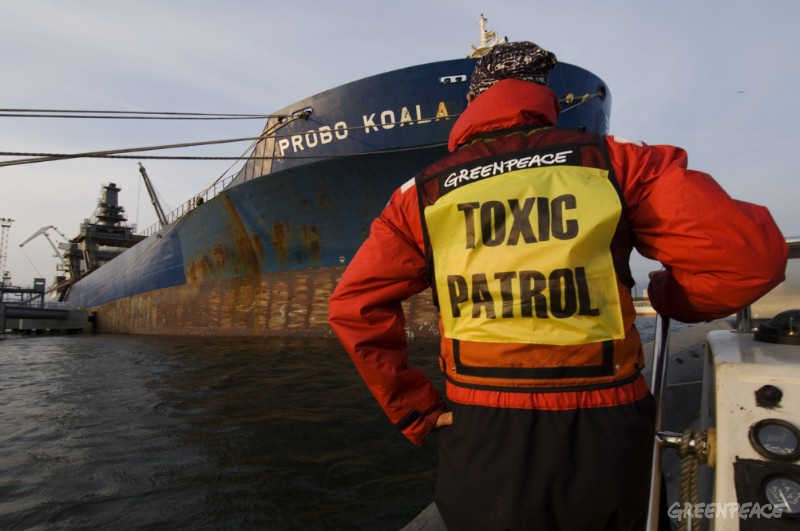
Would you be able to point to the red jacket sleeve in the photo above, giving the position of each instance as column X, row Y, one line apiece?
column 366, row 314
column 719, row 254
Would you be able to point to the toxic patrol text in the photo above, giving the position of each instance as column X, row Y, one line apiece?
column 560, row 293
column 567, row 289
column 495, row 229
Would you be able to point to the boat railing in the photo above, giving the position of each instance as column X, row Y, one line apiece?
column 206, row 195
column 697, row 445
column 658, row 389
column 781, row 298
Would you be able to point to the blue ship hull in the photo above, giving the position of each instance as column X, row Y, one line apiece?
column 262, row 256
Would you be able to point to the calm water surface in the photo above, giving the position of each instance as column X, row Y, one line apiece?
column 142, row 432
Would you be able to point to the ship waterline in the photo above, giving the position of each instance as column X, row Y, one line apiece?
column 269, row 305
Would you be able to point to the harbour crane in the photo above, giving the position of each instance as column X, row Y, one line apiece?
column 43, row 232
column 162, row 218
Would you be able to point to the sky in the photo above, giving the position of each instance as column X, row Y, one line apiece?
column 716, row 78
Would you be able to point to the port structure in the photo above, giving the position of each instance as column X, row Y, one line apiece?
column 5, row 227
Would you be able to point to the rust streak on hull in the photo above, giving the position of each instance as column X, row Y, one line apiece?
column 264, row 305
column 215, row 261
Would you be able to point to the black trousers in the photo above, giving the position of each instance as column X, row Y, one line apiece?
column 582, row 470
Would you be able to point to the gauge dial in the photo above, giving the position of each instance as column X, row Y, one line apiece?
column 783, row 492
column 776, row 439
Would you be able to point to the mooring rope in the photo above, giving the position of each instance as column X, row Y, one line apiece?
column 692, row 451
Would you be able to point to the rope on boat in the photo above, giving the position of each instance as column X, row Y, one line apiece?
column 279, row 124
column 127, row 115
column 569, row 99
column 46, row 157
column 694, row 449
column 187, row 157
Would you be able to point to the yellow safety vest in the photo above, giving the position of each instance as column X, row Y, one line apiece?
column 519, row 245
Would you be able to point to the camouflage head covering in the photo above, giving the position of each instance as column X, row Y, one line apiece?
column 512, row 60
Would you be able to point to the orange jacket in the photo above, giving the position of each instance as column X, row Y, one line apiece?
column 679, row 217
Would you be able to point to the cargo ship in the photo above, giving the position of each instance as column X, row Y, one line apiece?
column 259, row 254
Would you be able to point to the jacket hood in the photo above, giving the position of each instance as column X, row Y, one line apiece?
column 508, row 103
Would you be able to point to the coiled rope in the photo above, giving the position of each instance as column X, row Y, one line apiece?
column 693, row 452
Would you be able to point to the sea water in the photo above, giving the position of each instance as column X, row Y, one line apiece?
column 145, row 432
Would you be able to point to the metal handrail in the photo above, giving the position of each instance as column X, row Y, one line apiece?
column 658, row 389
column 191, row 204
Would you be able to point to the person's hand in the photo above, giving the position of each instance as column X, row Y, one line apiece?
column 445, row 419
column 654, row 274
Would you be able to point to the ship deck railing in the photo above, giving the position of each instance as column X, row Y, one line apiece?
column 48, row 305
column 189, row 205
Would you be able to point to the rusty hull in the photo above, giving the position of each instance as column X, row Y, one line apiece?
column 262, row 256
column 266, row 305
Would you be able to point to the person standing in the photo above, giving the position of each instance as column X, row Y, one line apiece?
column 524, row 233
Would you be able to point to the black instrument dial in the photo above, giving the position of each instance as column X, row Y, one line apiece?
column 776, row 439
column 783, row 492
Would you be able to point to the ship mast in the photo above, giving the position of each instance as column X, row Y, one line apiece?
column 488, row 39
